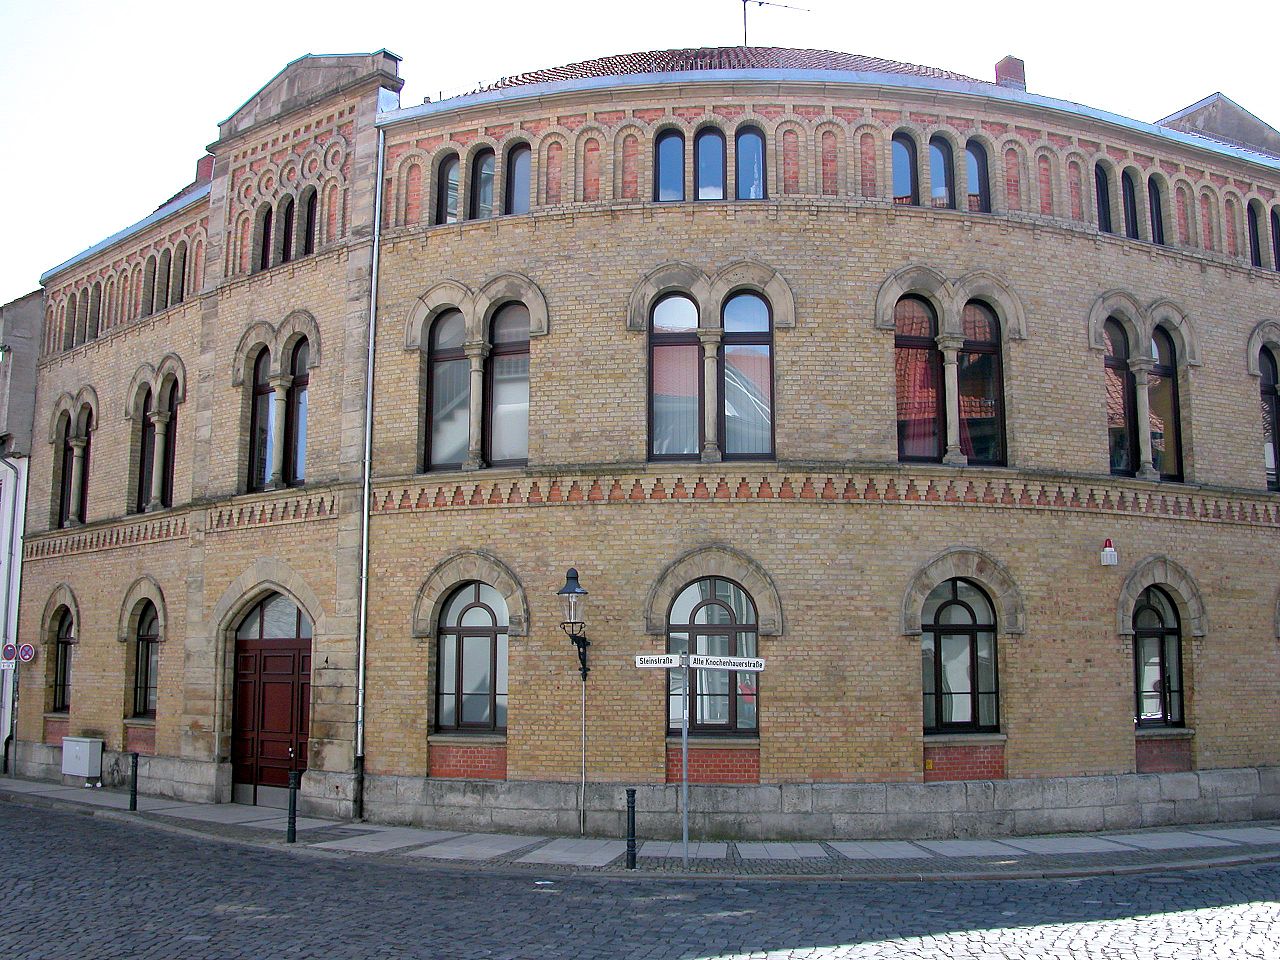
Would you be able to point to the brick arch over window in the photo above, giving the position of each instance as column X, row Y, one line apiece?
column 266, row 575
column 1265, row 334
column 995, row 293
column 144, row 588
column 668, row 278
column 716, row 560
column 61, row 596
column 753, row 275
column 63, row 410
column 1160, row 571
column 258, row 336
column 445, row 295
column 973, row 564
column 505, row 289
column 280, row 340
column 1126, row 309
column 171, row 375
column 144, row 378
column 462, row 568
column 916, row 280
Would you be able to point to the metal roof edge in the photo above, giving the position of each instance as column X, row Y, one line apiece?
column 863, row 78
column 168, row 210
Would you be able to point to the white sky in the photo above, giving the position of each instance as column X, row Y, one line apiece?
column 106, row 106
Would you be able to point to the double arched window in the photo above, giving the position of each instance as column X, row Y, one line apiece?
column 471, row 663
column 506, row 426
column 278, row 420
column 714, row 617
column 675, row 380
column 918, row 375
column 157, row 448
column 1157, row 661
column 64, row 642
column 448, row 393
column 295, row 418
column 958, row 660
column 146, row 661
column 981, row 387
column 1162, row 400
column 1122, row 428
column 1137, row 391
column 1270, row 415
column 746, row 378
column 75, row 447
column 262, row 417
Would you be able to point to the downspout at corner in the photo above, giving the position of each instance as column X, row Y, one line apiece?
column 362, row 630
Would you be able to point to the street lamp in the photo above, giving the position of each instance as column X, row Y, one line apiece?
column 574, row 602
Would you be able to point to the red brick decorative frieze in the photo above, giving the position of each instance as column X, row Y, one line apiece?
column 106, row 538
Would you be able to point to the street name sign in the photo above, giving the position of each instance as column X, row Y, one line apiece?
column 667, row 660
column 749, row 664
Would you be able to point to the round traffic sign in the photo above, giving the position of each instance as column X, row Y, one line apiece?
column 26, row 653
column 10, row 652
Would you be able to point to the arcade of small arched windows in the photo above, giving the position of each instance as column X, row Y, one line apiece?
column 146, row 284
column 843, row 155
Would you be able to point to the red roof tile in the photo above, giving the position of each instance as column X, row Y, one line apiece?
column 723, row 58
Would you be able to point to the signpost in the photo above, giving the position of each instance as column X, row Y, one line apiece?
column 685, row 662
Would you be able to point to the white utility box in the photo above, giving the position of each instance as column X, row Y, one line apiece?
column 82, row 757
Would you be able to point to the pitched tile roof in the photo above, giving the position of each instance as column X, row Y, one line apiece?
column 723, row 58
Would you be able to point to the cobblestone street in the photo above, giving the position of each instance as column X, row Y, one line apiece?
column 79, row 886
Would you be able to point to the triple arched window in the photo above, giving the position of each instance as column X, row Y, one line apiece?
column 950, row 388
column 471, row 662
column 688, row 361
column 278, row 420
column 287, row 231
column 495, row 430
column 714, row 617
column 710, row 166
column 958, row 660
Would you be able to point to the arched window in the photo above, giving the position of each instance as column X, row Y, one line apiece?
column 169, row 453
column 265, row 237
column 471, row 672
column 448, row 393
column 518, row 179
column 1275, row 238
column 507, row 388
column 447, row 189
column 178, row 282
column 1102, row 193
column 1270, row 416
column 482, row 168
column 1162, row 398
column 905, row 189
column 287, row 226
column 714, row 617
column 675, row 380
column 918, row 376
column 262, row 417
column 295, row 415
column 86, row 458
column 63, row 654
column 309, row 206
column 979, row 180
column 1129, row 194
column 749, row 159
column 981, row 387
column 1157, row 661
column 668, row 153
column 1255, row 240
column 146, row 452
column 1122, row 432
column 958, row 660
column 66, row 473
column 941, row 175
column 1156, row 202
column 709, row 162
column 146, row 664
column 746, row 378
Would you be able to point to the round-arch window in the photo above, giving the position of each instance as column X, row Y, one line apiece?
column 958, row 660
column 746, row 371
column 276, row 617
column 675, row 380
column 471, row 668
column 716, row 617
column 146, row 667
column 1157, row 652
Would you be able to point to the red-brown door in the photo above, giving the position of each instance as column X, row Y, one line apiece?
column 272, row 697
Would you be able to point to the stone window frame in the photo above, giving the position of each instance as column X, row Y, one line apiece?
column 1139, row 323
column 477, row 308
column 934, row 631
column 948, row 298
column 279, row 341
column 1265, row 336
column 142, row 591
column 714, row 560
column 167, row 383
column 62, row 599
column 709, row 294
column 72, row 425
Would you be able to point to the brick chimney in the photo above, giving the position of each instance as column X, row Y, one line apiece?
column 204, row 169
column 1011, row 72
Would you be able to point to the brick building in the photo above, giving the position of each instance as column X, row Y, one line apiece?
column 848, row 364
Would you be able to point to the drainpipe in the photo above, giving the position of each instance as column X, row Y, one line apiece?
column 8, row 597
column 363, row 628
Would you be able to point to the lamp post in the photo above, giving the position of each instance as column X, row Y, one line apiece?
column 574, row 603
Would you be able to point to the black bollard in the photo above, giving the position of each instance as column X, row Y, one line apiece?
column 133, row 782
column 291, row 832
column 631, row 828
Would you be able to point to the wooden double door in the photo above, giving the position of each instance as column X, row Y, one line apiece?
column 272, row 702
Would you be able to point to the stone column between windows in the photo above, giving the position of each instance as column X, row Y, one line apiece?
column 280, row 403
column 710, row 395
column 1141, row 367
column 476, row 354
column 950, row 345
column 158, row 447
column 77, row 479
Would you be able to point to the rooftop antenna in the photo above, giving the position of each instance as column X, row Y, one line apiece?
column 764, row 3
